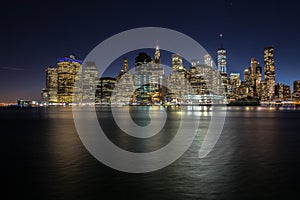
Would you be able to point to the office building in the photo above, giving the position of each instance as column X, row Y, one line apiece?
column 89, row 82
column 68, row 70
column 208, row 60
column 269, row 72
column 105, row 90
column 51, row 85
column 123, row 92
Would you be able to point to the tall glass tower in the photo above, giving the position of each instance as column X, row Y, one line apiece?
column 269, row 71
column 51, row 84
column 222, row 60
column 90, row 81
column 68, row 71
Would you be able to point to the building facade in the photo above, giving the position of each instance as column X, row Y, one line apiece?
column 68, row 71
column 105, row 90
column 178, row 84
column 296, row 90
column 51, row 85
column 123, row 92
column 269, row 72
column 89, row 82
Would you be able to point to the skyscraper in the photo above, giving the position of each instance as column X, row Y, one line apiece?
column 253, row 66
column 296, row 93
column 157, row 56
column 208, row 60
column 89, row 82
column 51, row 84
column 69, row 70
column 222, row 69
column 221, row 56
column 258, row 72
column 142, row 78
column 200, row 78
column 123, row 92
column 235, row 82
column 296, row 85
column 178, row 85
column 157, row 78
column 105, row 89
column 246, row 74
column 269, row 72
column 282, row 92
column 254, row 78
column 125, row 68
column 176, row 62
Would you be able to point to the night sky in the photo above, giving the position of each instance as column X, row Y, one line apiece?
column 34, row 34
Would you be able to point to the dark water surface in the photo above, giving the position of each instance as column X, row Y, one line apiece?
column 257, row 157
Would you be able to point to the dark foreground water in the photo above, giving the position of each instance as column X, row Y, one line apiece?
column 257, row 157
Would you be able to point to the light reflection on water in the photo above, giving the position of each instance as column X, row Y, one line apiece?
column 256, row 157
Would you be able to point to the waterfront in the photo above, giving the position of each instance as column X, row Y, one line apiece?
column 256, row 157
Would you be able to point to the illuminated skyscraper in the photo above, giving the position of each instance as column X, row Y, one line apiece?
column 254, row 81
column 269, row 71
column 286, row 92
column 178, row 84
column 222, row 60
column 258, row 80
column 258, row 72
column 51, row 84
column 296, row 86
column 222, row 69
column 157, row 78
column 253, row 66
column 263, row 90
column 176, row 62
column 282, row 92
column 157, row 56
column 208, row 60
column 142, row 78
column 125, row 69
column 246, row 74
column 105, row 89
column 279, row 91
column 69, row 70
column 124, row 89
column 296, row 93
column 246, row 84
column 89, row 82
column 235, row 82
column 200, row 77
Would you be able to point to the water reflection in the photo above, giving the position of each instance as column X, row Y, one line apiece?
column 255, row 157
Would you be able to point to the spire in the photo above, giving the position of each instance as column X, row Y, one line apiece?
column 157, row 54
column 220, row 37
column 125, row 65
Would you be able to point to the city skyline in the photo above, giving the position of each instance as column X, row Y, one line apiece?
column 220, row 64
column 148, row 83
column 36, row 36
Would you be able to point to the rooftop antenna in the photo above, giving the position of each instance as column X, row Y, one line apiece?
column 221, row 36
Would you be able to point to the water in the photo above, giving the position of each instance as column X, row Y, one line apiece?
column 257, row 157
